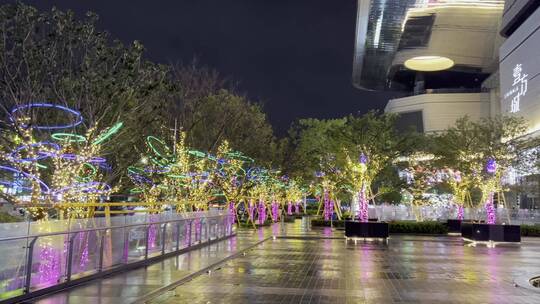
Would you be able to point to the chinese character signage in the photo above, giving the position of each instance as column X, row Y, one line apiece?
column 519, row 74
column 518, row 89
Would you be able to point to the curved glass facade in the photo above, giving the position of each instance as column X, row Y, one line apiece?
column 391, row 32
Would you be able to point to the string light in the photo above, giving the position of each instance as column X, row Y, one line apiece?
column 77, row 121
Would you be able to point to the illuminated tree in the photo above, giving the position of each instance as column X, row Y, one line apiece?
column 293, row 196
column 420, row 179
column 60, row 169
column 461, row 189
column 372, row 145
column 230, row 176
column 484, row 151
column 326, row 187
column 52, row 56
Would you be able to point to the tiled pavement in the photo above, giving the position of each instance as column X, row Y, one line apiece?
column 409, row 269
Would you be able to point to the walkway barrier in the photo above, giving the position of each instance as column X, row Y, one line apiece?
column 438, row 213
column 53, row 255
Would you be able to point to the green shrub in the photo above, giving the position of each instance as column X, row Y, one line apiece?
column 311, row 211
column 289, row 218
column 7, row 218
column 396, row 227
column 250, row 225
column 347, row 215
column 418, row 227
column 530, row 230
column 322, row 223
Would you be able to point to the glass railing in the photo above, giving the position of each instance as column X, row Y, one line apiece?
column 39, row 256
column 438, row 213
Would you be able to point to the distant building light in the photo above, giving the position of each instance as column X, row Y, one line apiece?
column 429, row 63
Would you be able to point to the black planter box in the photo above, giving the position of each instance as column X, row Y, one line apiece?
column 355, row 229
column 491, row 232
column 454, row 226
column 466, row 230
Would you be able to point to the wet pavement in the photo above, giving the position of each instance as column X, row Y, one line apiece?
column 318, row 266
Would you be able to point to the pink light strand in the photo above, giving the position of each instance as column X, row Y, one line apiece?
column 363, row 210
column 262, row 213
column 328, row 206
column 49, row 264
column 188, row 234
column 490, row 210
column 275, row 210
column 152, row 233
column 198, row 225
column 232, row 212
column 460, row 212
column 289, row 208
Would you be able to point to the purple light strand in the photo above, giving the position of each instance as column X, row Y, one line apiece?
column 363, row 210
column 275, row 208
column 188, row 235
column 232, row 212
column 328, row 211
column 152, row 232
column 490, row 210
column 289, row 208
column 198, row 225
column 49, row 265
column 262, row 213
column 460, row 212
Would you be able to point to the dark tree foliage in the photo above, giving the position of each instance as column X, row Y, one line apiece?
column 53, row 57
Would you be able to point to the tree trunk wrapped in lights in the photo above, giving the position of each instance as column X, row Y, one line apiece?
column 289, row 208
column 420, row 179
column 325, row 190
column 491, row 185
column 261, row 214
column 359, row 178
column 328, row 210
column 363, row 214
column 460, row 186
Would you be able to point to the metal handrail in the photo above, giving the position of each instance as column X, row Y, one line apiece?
column 104, row 228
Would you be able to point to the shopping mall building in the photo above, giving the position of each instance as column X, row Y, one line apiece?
column 451, row 58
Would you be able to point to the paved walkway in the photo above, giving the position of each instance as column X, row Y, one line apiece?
column 409, row 269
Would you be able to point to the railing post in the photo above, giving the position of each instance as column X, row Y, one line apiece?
column 101, row 250
column 221, row 227
column 207, row 230
column 146, row 239
column 70, row 255
column 200, row 230
column 226, row 226
column 189, row 237
column 126, row 245
column 29, row 258
column 163, row 234
column 177, row 236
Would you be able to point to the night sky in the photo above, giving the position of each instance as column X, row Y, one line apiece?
column 294, row 56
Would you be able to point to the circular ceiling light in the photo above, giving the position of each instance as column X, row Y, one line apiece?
column 429, row 63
